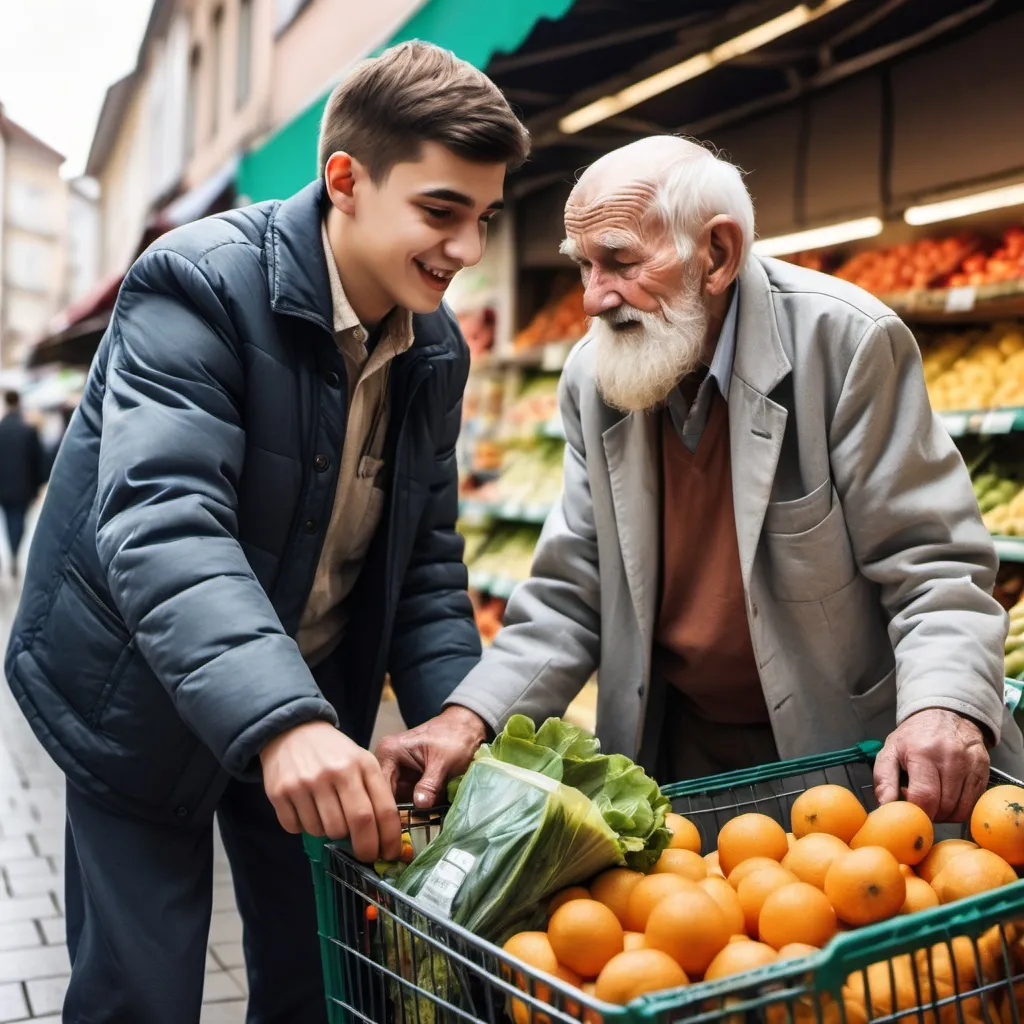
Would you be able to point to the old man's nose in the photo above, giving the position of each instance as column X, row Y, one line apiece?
column 599, row 297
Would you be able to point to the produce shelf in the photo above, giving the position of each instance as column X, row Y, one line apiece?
column 480, row 513
column 549, row 357
column 496, row 586
column 982, row 421
column 960, row 305
column 1010, row 549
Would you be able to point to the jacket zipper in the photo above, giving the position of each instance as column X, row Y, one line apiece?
column 96, row 601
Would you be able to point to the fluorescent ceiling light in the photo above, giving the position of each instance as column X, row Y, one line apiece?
column 645, row 89
column 979, row 202
column 818, row 238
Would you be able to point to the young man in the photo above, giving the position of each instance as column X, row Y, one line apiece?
column 22, row 472
column 250, row 521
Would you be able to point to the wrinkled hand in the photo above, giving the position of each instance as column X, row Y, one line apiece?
column 946, row 763
column 320, row 781
column 419, row 762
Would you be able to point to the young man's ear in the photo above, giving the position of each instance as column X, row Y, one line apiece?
column 339, row 176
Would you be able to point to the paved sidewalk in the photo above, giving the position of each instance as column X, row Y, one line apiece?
column 33, row 955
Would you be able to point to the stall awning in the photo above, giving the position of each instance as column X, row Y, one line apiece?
column 473, row 30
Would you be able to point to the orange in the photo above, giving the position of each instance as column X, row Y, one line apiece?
column 750, row 835
column 685, row 835
column 796, row 950
column 533, row 948
column 907, row 871
column 613, row 887
column 812, row 856
column 901, row 827
column 711, row 860
column 647, row 894
column 748, row 867
column 790, row 839
column 681, row 862
column 829, row 808
column 892, row 988
column 997, row 822
column 725, row 896
column 738, row 957
column 941, row 854
column 585, row 935
column 744, row 937
column 920, row 896
column 756, row 888
column 635, row 973
column 796, row 913
column 865, row 886
column 690, row 927
column 633, row 940
column 972, row 872
column 574, row 892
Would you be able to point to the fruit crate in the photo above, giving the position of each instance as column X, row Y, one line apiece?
column 389, row 960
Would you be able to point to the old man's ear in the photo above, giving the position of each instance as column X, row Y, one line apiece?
column 724, row 253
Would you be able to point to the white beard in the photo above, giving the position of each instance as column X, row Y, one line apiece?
column 636, row 370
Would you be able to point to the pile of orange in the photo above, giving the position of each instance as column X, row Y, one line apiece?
column 765, row 895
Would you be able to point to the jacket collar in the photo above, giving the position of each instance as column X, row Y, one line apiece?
column 297, row 270
column 760, row 360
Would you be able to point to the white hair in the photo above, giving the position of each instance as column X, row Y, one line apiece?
column 698, row 187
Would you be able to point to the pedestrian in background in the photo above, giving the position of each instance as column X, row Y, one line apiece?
column 22, row 472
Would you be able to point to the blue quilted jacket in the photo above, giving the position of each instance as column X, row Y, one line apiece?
column 153, row 651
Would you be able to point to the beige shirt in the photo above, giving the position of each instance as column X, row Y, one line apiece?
column 359, row 500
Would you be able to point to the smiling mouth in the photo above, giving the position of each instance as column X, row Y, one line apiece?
column 436, row 277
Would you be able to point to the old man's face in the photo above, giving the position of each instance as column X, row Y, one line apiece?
column 650, row 318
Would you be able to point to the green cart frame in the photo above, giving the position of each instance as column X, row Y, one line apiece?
column 387, row 960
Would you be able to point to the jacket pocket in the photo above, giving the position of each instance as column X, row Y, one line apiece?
column 813, row 564
column 801, row 514
column 98, row 605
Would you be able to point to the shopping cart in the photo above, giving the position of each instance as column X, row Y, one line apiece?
column 389, row 960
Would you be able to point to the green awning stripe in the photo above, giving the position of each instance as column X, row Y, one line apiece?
column 474, row 29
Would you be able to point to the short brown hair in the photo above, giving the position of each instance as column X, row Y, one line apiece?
column 416, row 92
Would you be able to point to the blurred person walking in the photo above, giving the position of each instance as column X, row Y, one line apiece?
column 22, row 472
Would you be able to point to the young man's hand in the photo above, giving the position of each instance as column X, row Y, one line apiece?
column 419, row 762
column 320, row 781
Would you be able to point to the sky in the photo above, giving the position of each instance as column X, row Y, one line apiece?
column 56, row 60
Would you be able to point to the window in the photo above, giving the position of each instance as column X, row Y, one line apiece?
column 243, row 76
column 30, row 265
column 216, row 69
column 31, row 206
column 195, row 63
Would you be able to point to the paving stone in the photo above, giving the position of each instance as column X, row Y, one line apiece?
column 27, row 909
column 218, row 986
column 16, row 848
column 19, row 935
column 229, row 954
column 46, row 995
column 33, row 867
column 241, row 979
column 224, row 897
column 216, row 1013
column 33, row 885
column 224, row 927
column 12, row 1002
column 54, row 931
column 28, row 964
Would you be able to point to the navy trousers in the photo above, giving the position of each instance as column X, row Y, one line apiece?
column 138, row 900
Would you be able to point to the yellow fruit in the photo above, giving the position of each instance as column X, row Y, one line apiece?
column 812, row 856
column 941, row 854
column 972, row 872
column 690, row 927
column 756, row 888
column 750, row 835
column 613, row 888
column 685, row 835
column 634, row 973
column 647, row 894
column 584, row 936
column 920, row 896
column 900, row 827
column 797, row 913
column 997, row 822
column 685, row 863
column 866, row 885
column 830, row 809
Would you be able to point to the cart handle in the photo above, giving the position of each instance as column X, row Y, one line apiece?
column 863, row 752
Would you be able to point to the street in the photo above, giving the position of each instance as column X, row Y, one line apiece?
column 33, row 955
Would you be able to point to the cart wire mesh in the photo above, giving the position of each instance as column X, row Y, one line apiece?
column 389, row 960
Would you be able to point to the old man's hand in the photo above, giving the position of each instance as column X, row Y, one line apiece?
column 945, row 759
column 419, row 762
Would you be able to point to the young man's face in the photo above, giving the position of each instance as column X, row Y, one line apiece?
column 413, row 231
